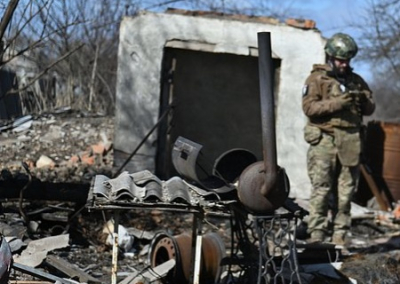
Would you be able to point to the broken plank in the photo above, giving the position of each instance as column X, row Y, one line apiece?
column 383, row 204
column 39, row 274
column 69, row 269
column 151, row 274
column 29, row 282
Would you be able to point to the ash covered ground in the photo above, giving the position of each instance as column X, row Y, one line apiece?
column 67, row 140
column 62, row 137
column 58, row 137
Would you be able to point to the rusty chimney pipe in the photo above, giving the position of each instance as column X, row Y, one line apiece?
column 265, row 67
column 263, row 186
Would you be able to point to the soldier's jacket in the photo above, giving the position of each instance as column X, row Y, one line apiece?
column 326, row 114
column 320, row 106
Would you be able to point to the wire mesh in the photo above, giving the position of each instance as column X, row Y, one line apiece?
column 264, row 248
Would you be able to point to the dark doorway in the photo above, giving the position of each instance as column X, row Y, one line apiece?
column 217, row 104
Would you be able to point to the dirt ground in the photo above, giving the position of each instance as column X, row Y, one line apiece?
column 60, row 137
column 68, row 134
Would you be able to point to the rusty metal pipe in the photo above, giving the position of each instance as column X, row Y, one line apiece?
column 263, row 186
column 267, row 101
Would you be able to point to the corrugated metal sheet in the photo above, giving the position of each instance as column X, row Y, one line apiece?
column 143, row 186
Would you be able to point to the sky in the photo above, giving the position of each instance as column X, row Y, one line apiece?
column 333, row 16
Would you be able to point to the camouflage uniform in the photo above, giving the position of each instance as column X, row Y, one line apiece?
column 333, row 132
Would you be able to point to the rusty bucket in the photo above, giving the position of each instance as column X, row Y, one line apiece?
column 383, row 154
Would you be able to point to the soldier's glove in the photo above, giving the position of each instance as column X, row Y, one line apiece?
column 360, row 96
column 359, row 99
column 344, row 101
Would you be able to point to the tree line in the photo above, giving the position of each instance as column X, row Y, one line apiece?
column 73, row 44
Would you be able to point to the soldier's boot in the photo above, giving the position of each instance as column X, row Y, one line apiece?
column 339, row 238
column 317, row 236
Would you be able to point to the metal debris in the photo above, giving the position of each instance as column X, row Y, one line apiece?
column 5, row 261
column 70, row 270
column 40, row 274
column 150, row 275
column 37, row 250
column 179, row 248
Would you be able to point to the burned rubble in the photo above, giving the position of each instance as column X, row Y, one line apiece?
column 372, row 254
column 67, row 218
column 74, row 151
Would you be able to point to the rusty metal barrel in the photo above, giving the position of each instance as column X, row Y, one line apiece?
column 165, row 247
column 383, row 154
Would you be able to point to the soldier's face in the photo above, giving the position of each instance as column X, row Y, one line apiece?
column 341, row 65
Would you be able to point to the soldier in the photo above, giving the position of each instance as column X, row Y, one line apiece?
column 335, row 99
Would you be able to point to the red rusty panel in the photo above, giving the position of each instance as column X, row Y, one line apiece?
column 383, row 154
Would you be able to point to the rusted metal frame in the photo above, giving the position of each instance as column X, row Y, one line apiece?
column 234, row 248
column 174, row 208
column 198, row 218
column 295, row 270
column 207, row 210
column 199, row 213
column 240, row 242
column 254, row 245
column 268, row 269
column 267, row 111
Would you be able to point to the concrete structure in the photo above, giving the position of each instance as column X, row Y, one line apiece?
column 207, row 66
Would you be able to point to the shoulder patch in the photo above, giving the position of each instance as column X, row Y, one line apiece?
column 305, row 90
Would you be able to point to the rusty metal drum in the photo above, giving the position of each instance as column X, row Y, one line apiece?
column 383, row 154
column 165, row 247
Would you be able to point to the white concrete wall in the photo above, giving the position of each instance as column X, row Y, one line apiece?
column 142, row 40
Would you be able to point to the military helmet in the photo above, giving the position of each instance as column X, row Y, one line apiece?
column 341, row 46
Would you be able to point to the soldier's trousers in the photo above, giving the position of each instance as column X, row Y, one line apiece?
column 327, row 176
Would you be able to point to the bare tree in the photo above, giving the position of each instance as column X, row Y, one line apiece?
column 24, row 41
column 84, row 33
column 379, row 41
column 43, row 31
column 88, row 76
column 380, row 33
column 8, row 14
